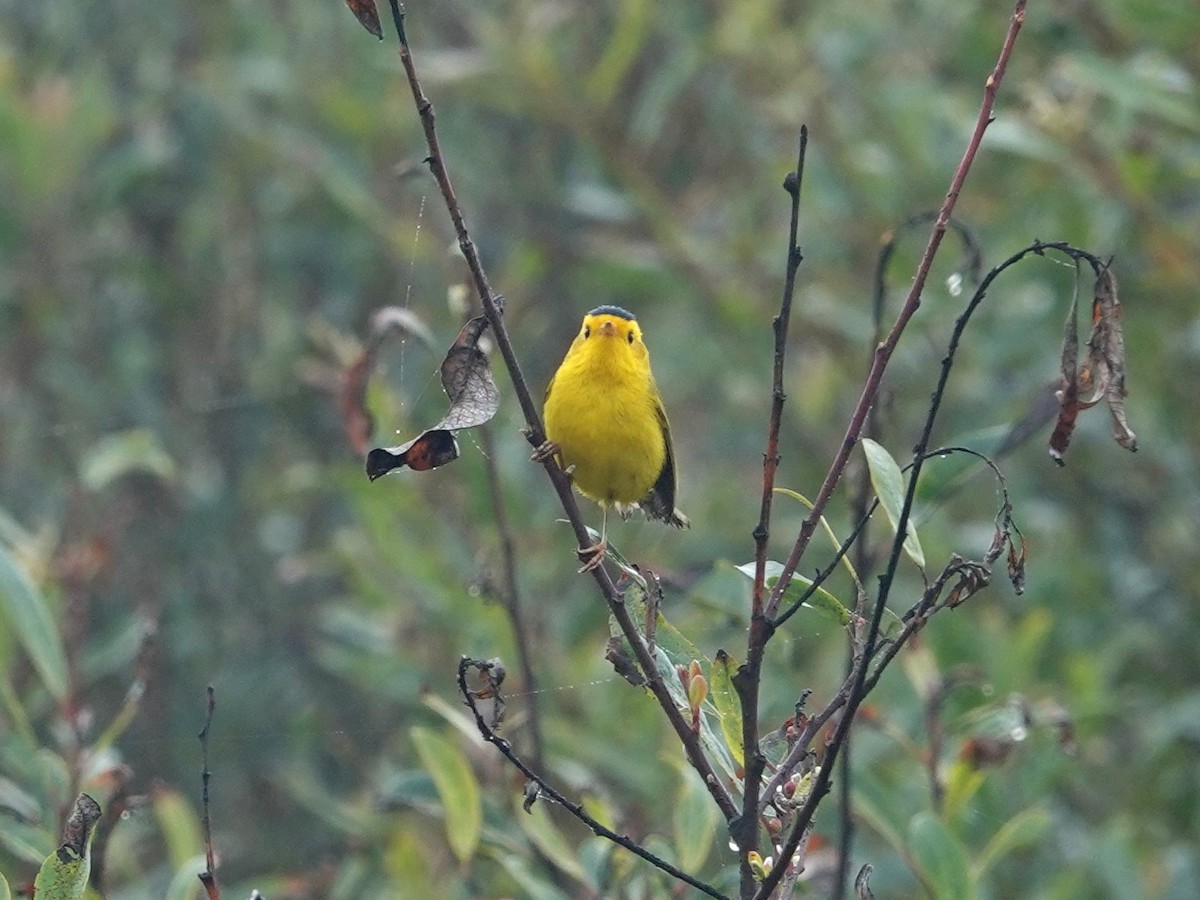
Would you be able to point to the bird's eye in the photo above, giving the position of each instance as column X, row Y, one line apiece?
column 631, row 338
column 587, row 331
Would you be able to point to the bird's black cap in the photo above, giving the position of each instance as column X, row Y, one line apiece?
column 613, row 311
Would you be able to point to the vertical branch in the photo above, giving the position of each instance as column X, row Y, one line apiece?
column 536, row 434
column 862, row 557
column 512, row 595
column 749, row 676
column 883, row 352
column 207, row 877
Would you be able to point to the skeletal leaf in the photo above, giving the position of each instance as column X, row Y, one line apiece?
column 474, row 399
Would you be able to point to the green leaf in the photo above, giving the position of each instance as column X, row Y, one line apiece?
column 28, row 613
column 940, row 858
column 834, row 540
column 727, row 703
column 821, row 601
column 179, row 826
column 183, row 883
column 519, row 870
column 64, row 874
column 694, row 820
column 5, row 893
column 962, row 783
column 1025, row 828
column 888, row 482
column 539, row 827
column 132, row 450
column 877, row 819
column 456, row 785
column 25, row 842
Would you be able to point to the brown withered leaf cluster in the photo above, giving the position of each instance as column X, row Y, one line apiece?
column 474, row 399
column 367, row 14
column 1102, row 373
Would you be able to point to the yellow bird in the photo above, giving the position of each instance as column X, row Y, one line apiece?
column 606, row 424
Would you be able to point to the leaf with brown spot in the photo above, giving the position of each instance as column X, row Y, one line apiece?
column 474, row 399
column 368, row 15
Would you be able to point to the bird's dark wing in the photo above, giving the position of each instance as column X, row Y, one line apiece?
column 660, row 502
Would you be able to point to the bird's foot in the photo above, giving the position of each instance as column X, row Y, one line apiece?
column 547, row 450
column 592, row 556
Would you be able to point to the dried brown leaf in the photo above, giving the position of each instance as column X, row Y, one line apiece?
column 1016, row 563
column 1106, row 354
column 1068, row 391
column 368, row 15
column 474, row 399
column 1102, row 375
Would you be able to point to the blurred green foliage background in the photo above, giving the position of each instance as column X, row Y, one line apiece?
column 203, row 205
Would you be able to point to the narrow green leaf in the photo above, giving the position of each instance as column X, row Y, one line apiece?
column 25, row 842
column 621, row 51
column 888, row 482
column 725, row 699
column 694, row 820
column 456, row 785
column 940, row 857
column 519, row 870
column 539, row 827
column 821, row 601
column 876, row 818
column 5, row 892
column 962, row 782
column 184, row 883
column 834, row 540
column 179, row 826
column 28, row 613
column 1025, row 828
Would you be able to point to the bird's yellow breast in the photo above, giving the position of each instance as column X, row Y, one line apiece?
column 602, row 409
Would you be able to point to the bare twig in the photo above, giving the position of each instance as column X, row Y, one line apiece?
column 512, row 596
column 883, row 352
column 749, row 675
column 207, row 877
column 492, row 309
column 544, row 789
column 882, row 355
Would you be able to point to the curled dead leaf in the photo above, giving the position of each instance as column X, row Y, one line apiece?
column 474, row 399
column 1102, row 375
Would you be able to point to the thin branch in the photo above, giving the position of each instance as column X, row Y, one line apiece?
column 512, row 595
column 546, row 790
column 207, row 877
column 492, row 309
column 914, row 619
column 882, row 354
column 749, row 676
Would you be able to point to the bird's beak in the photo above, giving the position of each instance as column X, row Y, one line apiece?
column 608, row 328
